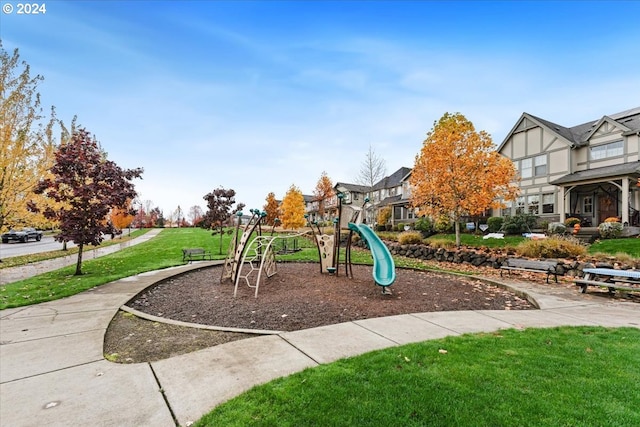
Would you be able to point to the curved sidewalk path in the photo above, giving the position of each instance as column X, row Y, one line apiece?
column 53, row 373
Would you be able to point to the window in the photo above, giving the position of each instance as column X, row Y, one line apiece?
column 526, row 171
column 587, row 205
column 606, row 150
column 540, row 164
column 548, row 202
column 533, row 166
column 533, row 203
column 520, row 205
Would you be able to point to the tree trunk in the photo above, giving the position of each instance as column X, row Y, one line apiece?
column 220, row 249
column 79, row 262
column 457, row 228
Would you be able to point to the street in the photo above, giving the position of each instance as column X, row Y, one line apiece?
column 11, row 249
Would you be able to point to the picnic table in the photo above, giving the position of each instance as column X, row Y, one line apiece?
column 610, row 278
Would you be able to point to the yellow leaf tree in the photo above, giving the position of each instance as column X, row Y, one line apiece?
column 458, row 172
column 26, row 142
column 271, row 208
column 323, row 191
column 293, row 208
column 121, row 218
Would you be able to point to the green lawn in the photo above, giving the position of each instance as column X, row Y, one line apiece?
column 535, row 377
column 165, row 250
column 629, row 246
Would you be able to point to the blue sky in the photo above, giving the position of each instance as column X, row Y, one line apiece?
column 257, row 96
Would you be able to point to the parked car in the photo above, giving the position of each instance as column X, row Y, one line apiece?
column 22, row 235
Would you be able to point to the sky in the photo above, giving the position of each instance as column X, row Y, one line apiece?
column 259, row 96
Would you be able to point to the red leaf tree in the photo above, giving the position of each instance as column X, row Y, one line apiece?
column 89, row 186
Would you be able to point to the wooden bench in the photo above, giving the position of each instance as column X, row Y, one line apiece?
column 612, row 279
column 195, row 254
column 548, row 267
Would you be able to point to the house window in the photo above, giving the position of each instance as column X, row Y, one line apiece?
column 540, row 163
column 520, row 205
column 548, row 201
column 526, row 170
column 587, row 205
column 604, row 151
column 533, row 203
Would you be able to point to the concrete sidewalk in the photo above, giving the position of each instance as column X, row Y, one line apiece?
column 13, row 274
column 52, row 369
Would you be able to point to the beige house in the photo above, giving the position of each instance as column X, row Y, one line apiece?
column 590, row 171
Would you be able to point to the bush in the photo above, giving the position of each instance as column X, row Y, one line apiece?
column 556, row 228
column 409, row 237
column 612, row 219
column 441, row 243
column 553, row 247
column 495, row 223
column 443, row 224
column 519, row 224
column 381, row 227
column 571, row 221
column 610, row 230
column 400, row 226
column 425, row 226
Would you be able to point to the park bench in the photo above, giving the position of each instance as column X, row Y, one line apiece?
column 548, row 267
column 612, row 279
column 195, row 254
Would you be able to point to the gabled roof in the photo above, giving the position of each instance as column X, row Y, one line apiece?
column 308, row 199
column 609, row 172
column 393, row 180
column 354, row 188
column 576, row 136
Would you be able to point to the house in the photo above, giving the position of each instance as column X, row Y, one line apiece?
column 590, row 171
column 394, row 191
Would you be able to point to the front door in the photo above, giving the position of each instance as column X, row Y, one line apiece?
column 607, row 207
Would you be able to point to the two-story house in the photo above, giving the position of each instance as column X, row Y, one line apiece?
column 590, row 171
column 394, row 191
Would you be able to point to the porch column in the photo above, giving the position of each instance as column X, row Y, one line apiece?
column 625, row 200
column 561, row 204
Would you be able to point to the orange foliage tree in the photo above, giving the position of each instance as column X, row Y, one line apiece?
column 293, row 208
column 121, row 218
column 271, row 208
column 323, row 191
column 458, row 172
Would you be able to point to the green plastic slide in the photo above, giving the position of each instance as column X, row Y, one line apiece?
column 384, row 269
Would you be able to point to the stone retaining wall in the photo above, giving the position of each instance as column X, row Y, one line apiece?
column 491, row 258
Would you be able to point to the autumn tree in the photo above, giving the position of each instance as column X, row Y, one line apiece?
column 122, row 218
column 89, row 186
column 323, row 191
column 195, row 215
column 458, row 172
column 27, row 145
column 293, row 209
column 271, row 208
column 219, row 203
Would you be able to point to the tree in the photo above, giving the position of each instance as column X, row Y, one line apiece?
column 293, row 208
column 219, row 203
column 195, row 215
column 323, row 191
column 384, row 215
column 89, row 186
column 26, row 144
column 122, row 218
column 271, row 208
column 459, row 173
column 372, row 170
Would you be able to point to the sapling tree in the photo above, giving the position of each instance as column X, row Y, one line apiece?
column 219, row 203
column 88, row 186
column 271, row 208
column 323, row 191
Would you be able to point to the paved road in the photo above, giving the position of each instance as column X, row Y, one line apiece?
column 11, row 249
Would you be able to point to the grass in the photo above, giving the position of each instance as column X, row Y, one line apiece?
column 43, row 256
column 163, row 251
column 629, row 246
column 581, row 376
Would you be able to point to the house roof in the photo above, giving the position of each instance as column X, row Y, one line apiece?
column 308, row 199
column 628, row 120
column 390, row 200
column 355, row 188
column 393, row 180
column 609, row 172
